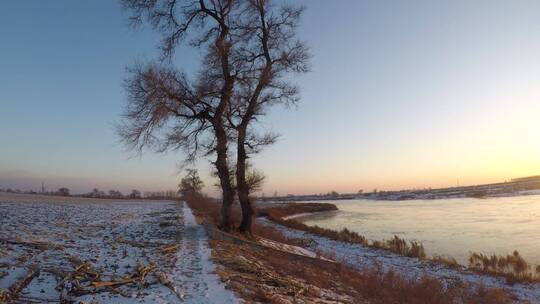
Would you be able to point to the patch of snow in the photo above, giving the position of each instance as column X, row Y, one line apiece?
column 290, row 248
column 290, row 217
column 114, row 239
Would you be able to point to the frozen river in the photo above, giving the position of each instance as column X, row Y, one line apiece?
column 452, row 227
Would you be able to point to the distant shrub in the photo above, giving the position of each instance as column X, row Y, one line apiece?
column 512, row 266
column 401, row 247
column 446, row 260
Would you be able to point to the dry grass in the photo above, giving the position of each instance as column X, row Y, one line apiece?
column 513, row 267
column 262, row 276
column 273, row 277
column 401, row 247
column 391, row 287
column 446, row 260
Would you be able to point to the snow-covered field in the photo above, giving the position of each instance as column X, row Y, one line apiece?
column 111, row 252
column 360, row 257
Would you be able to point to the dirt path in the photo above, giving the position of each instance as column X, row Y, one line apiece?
column 125, row 252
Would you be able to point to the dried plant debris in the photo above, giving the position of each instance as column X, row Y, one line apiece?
column 257, row 276
column 85, row 252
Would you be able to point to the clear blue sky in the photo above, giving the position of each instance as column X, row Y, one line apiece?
column 402, row 94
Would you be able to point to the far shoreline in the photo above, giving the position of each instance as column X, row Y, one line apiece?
column 390, row 197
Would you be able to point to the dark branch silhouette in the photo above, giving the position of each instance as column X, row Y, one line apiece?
column 250, row 48
column 166, row 110
column 270, row 51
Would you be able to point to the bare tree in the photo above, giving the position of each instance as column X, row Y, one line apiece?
column 249, row 48
column 168, row 111
column 269, row 52
column 191, row 184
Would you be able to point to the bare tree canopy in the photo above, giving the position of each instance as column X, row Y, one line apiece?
column 270, row 52
column 165, row 112
column 158, row 92
column 191, row 184
column 249, row 48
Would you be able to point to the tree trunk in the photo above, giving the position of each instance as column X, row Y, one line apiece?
column 224, row 178
column 221, row 134
column 242, row 185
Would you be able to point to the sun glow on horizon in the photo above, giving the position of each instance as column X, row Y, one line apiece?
column 483, row 145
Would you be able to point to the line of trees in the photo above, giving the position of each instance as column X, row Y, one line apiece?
column 63, row 191
column 249, row 50
column 133, row 194
column 96, row 193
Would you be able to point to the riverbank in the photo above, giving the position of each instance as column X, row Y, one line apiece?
column 409, row 258
column 452, row 228
column 370, row 280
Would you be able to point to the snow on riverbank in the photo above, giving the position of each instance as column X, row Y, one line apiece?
column 152, row 252
column 290, row 217
column 361, row 257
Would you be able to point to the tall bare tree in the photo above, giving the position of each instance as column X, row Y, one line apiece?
column 250, row 48
column 167, row 110
column 269, row 52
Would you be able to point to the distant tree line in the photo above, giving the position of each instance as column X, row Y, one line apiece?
column 10, row 190
column 134, row 194
column 96, row 193
column 63, row 191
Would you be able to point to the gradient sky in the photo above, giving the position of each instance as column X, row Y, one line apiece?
column 402, row 94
